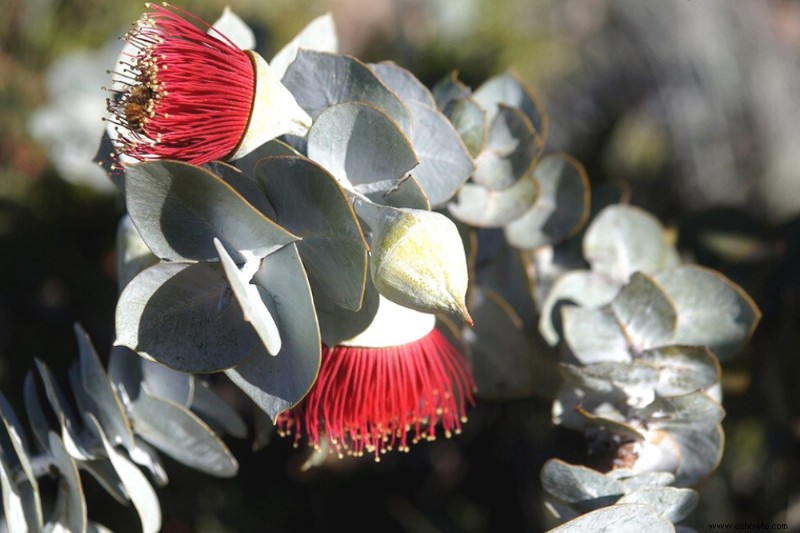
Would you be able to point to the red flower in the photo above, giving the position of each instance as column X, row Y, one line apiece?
column 187, row 92
column 371, row 398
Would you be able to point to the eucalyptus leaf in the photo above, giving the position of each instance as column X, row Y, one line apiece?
column 319, row 80
column 14, row 512
column 180, row 208
column 166, row 383
column 576, row 287
column 700, row 452
column 511, row 147
column 279, row 383
column 609, row 423
column 72, row 439
column 672, row 503
column 36, row 417
column 626, row 518
column 358, row 143
column 136, row 485
column 560, row 209
column 171, row 313
column 647, row 315
column 319, row 34
column 712, row 310
column 338, row 324
column 243, row 182
column 234, row 29
column 469, row 120
column 593, row 335
column 580, row 486
column 683, row 369
column 310, row 203
column 133, row 255
column 145, row 455
column 636, row 379
column 405, row 192
column 501, row 354
column 403, row 83
column 478, row 206
column 448, row 89
column 104, row 473
column 273, row 148
column 105, row 404
column 445, row 164
column 250, row 299
column 25, row 485
column 633, row 481
column 182, row 435
column 695, row 409
column 70, row 506
column 623, row 239
column 506, row 89
column 215, row 411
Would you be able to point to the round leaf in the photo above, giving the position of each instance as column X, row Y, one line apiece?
column 623, row 239
column 469, row 120
column 510, row 149
column 478, row 206
column 310, row 203
column 358, row 143
column 506, row 89
column 179, row 209
column 593, row 335
column 683, row 369
column 578, row 485
column 626, row 518
column 319, row 34
column 403, row 83
column 319, row 80
column 445, row 163
column 712, row 310
column 672, row 503
column 561, row 208
column 171, row 313
column 647, row 315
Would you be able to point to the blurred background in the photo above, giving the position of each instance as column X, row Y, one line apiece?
column 691, row 103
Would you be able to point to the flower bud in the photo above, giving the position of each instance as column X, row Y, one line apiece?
column 417, row 259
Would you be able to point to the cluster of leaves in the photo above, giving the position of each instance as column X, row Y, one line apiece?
column 139, row 407
column 641, row 335
column 247, row 268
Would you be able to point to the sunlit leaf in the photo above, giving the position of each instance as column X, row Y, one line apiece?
column 310, row 203
column 70, row 505
column 593, row 335
column 683, row 369
column 627, row 518
column 578, row 485
column 403, row 83
column 215, row 411
column 560, row 209
column 478, row 206
column 171, row 313
column 647, row 315
column 507, row 89
column 672, row 503
column 16, row 458
column 319, row 34
column 509, row 152
column 179, row 209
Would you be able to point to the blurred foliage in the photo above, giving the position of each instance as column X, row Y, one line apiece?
column 628, row 94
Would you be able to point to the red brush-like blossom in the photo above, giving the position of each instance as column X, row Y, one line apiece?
column 378, row 398
column 185, row 93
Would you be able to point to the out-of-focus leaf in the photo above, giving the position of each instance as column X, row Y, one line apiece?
column 179, row 433
column 712, row 310
column 166, row 383
column 627, row 518
column 609, row 423
column 683, row 369
column 593, row 335
column 70, row 507
column 506, row 273
column 234, row 29
column 25, row 485
column 672, row 503
column 103, row 472
column 36, row 416
column 635, row 379
column 171, row 313
column 501, row 356
column 445, row 163
column 146, row 456
column 319, row 80
column 106, row 406
column 310, row 203
column 700, row 453
column 250, row 299
column 632, row 480
column 448, row 89
column 338, row 324
column 138, row 488
column 561, row 207
column 510, row 149
column 647, row 315
column 179, row 209
column 506, row 89
column 695, row 409
column 133, row 255
column 478, row 206
column 403, row 83
column 469, row 120
column 359, row 143
column 75, row 445
column 14, row 511
column 623, row 239
column 576, row 287
column 215, row 411
column 319, row 34
column 578, row 485
column 279, row 383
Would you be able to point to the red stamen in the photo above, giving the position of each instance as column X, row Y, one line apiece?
column 370, row 399
column 188, row 94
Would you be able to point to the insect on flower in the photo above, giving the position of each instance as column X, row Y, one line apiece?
column 183, row 90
